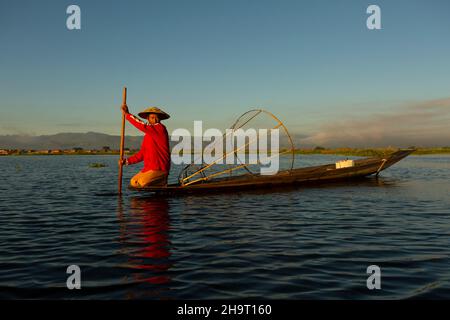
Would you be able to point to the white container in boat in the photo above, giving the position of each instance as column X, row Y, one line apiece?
column 344, row 164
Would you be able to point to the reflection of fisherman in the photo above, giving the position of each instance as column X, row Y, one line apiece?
column 144, row 236
column 153, row 215
column 155, row 151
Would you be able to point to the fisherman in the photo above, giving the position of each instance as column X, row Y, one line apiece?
column 155, row 151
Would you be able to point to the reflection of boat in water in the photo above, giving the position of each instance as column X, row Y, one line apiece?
column 329, row 173
column 144, row 236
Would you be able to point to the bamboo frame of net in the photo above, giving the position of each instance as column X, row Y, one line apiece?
column 202, row 169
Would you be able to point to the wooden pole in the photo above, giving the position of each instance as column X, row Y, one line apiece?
column 122, row 138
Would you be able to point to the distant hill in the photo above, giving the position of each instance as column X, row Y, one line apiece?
column 89, row 140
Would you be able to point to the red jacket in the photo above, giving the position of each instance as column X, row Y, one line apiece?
column 155, row 150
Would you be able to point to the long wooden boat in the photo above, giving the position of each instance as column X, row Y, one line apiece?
column 301, row 176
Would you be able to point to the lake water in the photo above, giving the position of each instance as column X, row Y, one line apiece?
column 301, row 243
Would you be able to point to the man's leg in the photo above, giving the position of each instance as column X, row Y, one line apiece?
column 149, row 178
column 134, row 182
column 152, row 178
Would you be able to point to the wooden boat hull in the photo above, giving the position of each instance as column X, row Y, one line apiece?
column 301, row 176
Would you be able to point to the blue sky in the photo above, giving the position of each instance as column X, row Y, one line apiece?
column 310, row 62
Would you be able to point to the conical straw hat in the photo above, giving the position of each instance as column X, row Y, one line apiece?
column 162, row 115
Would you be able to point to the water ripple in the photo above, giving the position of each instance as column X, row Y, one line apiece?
column 298, row 243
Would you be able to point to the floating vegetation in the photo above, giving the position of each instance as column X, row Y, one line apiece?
column 97, row 165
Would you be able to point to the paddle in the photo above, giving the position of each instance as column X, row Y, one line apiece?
column 122, row 139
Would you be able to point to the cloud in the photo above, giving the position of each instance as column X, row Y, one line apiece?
column 424, row 123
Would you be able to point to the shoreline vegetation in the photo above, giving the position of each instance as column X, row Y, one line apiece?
column 360, row 152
